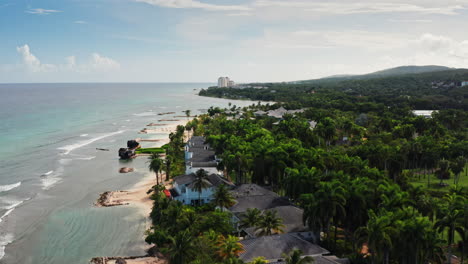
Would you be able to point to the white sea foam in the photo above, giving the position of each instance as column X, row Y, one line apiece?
column 86, row 158
column 128, row 120
column 6, row 214
column 48, row 182
column 12, row 204
column 83, row 135
column 47, row 173
column 9, row 187
column 5, row 239
column 53, row 178
column 71, row 147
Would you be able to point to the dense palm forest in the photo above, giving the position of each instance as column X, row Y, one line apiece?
column 413, row 90
column 377, row 183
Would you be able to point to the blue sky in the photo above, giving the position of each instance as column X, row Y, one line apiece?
column 248, row 40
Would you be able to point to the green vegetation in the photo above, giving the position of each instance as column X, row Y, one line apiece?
column 377, row 184
column 362, row 94
column 370, row 173
column 188, row 234
column 150, row 151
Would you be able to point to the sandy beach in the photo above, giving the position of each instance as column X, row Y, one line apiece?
column 137, row 195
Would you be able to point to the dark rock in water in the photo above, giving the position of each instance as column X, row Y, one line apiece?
column 103, row 149
column 126, row 170
column 120, row 261
column 131, row 144
column 125, row 153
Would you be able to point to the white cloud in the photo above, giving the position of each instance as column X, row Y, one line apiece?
column 71, row 62
column 375, row 7
column 194, row 4
column 96, row 63
column 444, row 46
column 101, row 63
column 32, row 63
column 410, row 20
column 41, row 11
column 274, row 41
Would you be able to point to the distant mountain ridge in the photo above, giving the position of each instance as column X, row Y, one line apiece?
column 401, row 70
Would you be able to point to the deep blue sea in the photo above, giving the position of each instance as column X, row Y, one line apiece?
column 51, row 172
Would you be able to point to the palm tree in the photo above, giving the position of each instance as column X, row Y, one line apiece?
column 457, row 167
column 200, row 183
column 250, row 218
column 330, row 200
column 443, row 171
column 378, row 235
column 229, row 247
column 294, row 257
column 180, row 248
column 187, row 113
column 269, row 224
column 156, row 165
column 168, row 162
column 452, row 220
column 223, row 198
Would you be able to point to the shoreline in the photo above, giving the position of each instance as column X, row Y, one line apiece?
column 137, row 196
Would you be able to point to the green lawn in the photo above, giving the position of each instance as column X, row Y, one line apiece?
column 150, row 151
column 432, row 184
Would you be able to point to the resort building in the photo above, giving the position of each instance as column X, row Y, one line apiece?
column 464, row 83
column 253, row 196
column 424, row 113
column 183, row 188
column 278, row 113
column 225, row 82
column 199, row 155
column 273, row 248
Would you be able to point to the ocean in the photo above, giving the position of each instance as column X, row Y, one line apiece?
column 51, row 172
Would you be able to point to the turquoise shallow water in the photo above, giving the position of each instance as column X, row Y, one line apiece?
column 51, row 172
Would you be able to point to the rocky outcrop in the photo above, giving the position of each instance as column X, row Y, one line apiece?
column 105, row 200
column 105, row 260
column 126, row 170
column 167, row 113
column 120, row 261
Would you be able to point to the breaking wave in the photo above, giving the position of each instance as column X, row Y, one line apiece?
column 71, row 147
column 9, row 187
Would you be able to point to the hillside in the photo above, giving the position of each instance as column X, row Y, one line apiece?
column 401, row 70
column 427, row 90
column 409, row 70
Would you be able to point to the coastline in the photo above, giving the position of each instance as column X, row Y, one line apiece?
column 137, row 196
column 59, row 188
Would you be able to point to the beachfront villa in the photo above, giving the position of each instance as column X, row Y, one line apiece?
column 424, row 113
column 273, row 248
column 278, row 113
column 199, row 155
column 253, row 196
column 183, row 188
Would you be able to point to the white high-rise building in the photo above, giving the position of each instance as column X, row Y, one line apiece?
column 223, row 82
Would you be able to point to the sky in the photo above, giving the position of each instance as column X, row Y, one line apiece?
column 247, row 40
